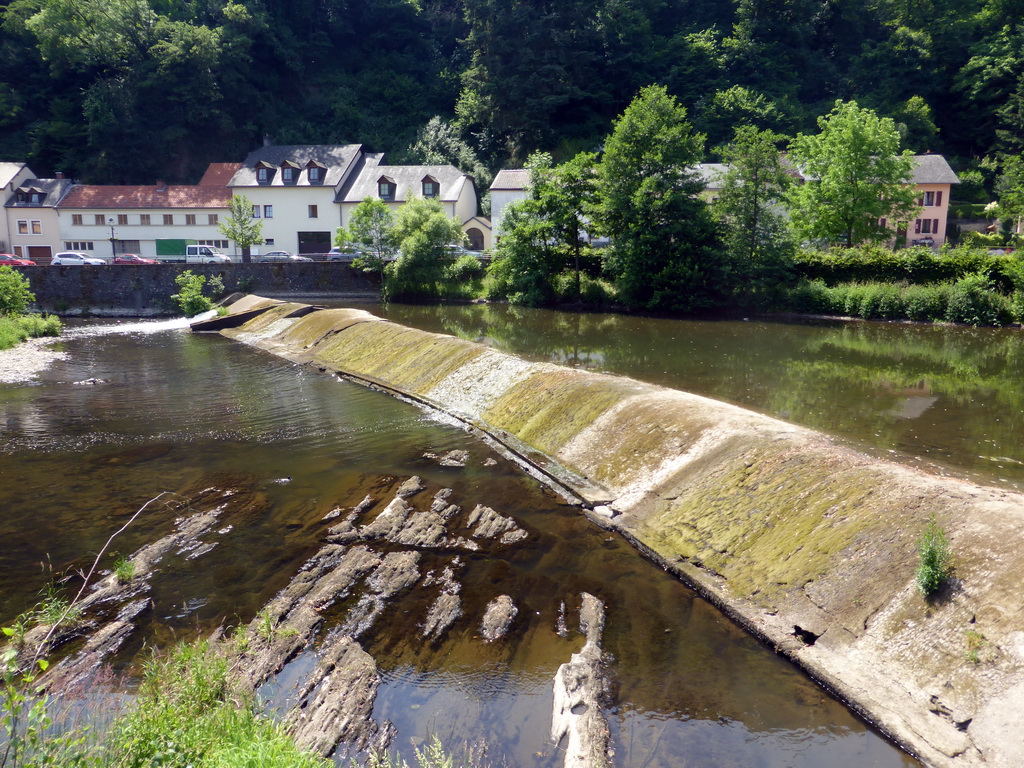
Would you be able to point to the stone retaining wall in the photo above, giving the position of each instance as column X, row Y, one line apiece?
column 144, row 289
column 807, row 543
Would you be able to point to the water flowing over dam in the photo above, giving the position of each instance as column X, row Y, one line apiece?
column 809, row 544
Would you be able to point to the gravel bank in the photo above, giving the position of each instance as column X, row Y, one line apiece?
column 23, row 362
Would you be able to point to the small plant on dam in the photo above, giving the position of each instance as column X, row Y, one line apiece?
column 190, row 298
column 935, row 559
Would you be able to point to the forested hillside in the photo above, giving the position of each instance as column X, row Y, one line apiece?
column 132, row 90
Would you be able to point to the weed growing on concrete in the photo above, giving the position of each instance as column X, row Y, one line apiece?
column 975, row 642
column 935, row 562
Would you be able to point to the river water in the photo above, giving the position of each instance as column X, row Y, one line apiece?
column 170, row 411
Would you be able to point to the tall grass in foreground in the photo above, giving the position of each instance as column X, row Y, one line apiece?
column 14, row 329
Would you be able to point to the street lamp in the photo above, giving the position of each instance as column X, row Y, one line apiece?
column 113, row 250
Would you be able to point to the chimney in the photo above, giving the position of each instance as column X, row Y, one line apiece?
column 161, row 185
column 266, row 140
column 59, row 175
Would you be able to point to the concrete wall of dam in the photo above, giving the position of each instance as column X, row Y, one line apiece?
column 145, row 289
column 808, row 543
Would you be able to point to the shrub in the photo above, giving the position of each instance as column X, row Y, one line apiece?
column 935, row 560
column 972, row 301
column 190, row 298
column 15, row 295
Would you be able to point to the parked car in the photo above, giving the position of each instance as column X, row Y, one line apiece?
column 67, row 258
column 457, row 251
column 131, row 258
column 10, row 260
column 270, row 256
column 344, row 254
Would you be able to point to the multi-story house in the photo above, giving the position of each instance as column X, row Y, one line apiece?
column 30, row 228
column 108, row 220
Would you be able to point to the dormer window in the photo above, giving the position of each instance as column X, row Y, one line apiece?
column 264, row 172
column 430, row 187
column 315, row 172
column 289, row 172
column 386, row 188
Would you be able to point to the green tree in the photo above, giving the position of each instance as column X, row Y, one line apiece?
column 372, row 230
column 15, row 295
column 241, row 227
column 757, row 233
column 423, row 232
column 1010, row 188
column 664, row 253
column 855, row 176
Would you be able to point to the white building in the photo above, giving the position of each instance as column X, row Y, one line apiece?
column 508, row 187
column 30, row 228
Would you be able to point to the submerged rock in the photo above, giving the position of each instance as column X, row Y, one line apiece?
column 490, row 525
column 454, row 459
column 578, row 689
column 498, row 617
column 335, row 705
column 411, row 487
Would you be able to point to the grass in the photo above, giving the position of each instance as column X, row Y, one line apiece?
column 15, row 329
column 975, row 642
column 124, row 569
column 935, row 564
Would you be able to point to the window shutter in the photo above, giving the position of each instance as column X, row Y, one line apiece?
column 938, row 198
column 935, row 226
column 917, row 226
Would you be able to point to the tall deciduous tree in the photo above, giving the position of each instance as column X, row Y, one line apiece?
column 372, row 228
column 856, row 176
column 664, row 252
column 1010, row 187
column 754, row 185
column 241, row 227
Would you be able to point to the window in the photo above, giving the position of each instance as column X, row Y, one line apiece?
column 312, row 212
column 269, row 241
column 168, row 219
column 98, row 220
column 287, row 174
column 387, row 190
column 122, row 219
column 37, row 228
column 144, row 219
column 76, row 219
column 79, row 245
column 190, row 219
column 212, row 218
column 929, row 199
column 222, row 244
column 926, row 227
column 314, row 174
column 22, row 227
column 255, row 211
column 430, row 189
column 127, row 246
column 37, row 198
column 268, row 211
column 262, row 175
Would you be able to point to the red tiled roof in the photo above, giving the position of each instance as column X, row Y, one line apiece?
column 169, row 196
column 219, row 174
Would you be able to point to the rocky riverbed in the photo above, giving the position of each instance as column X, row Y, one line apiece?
column 23, row 362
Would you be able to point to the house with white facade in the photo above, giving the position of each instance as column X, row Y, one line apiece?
column 508, row 186
column 31, row 222
column 303, row 193
column 104, row 220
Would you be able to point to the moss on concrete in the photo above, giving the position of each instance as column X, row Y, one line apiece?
column 550, row 408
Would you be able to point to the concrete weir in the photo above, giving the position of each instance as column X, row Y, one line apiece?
column 807, row 543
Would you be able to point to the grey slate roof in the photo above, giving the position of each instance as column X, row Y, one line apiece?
column 711, row 174
column 8, row 171
column 52, row 189
column 932, row 169
column 509, row 179
column 405, row 177
column 337, row 159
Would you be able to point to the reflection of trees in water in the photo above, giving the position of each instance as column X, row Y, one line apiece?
column 952, row 392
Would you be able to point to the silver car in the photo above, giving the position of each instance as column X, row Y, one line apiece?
column 68, row 258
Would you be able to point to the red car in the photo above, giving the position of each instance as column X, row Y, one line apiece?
column 9, row 260
column 131, row 258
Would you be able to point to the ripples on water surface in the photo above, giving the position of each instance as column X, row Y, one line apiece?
column 173, row 411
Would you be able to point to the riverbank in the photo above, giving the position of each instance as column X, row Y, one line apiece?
column 807, row 543
column 24, row 361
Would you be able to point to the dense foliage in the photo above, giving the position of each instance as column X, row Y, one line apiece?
column 132, row 90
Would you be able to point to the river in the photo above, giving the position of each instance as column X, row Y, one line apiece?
column 169, row 411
